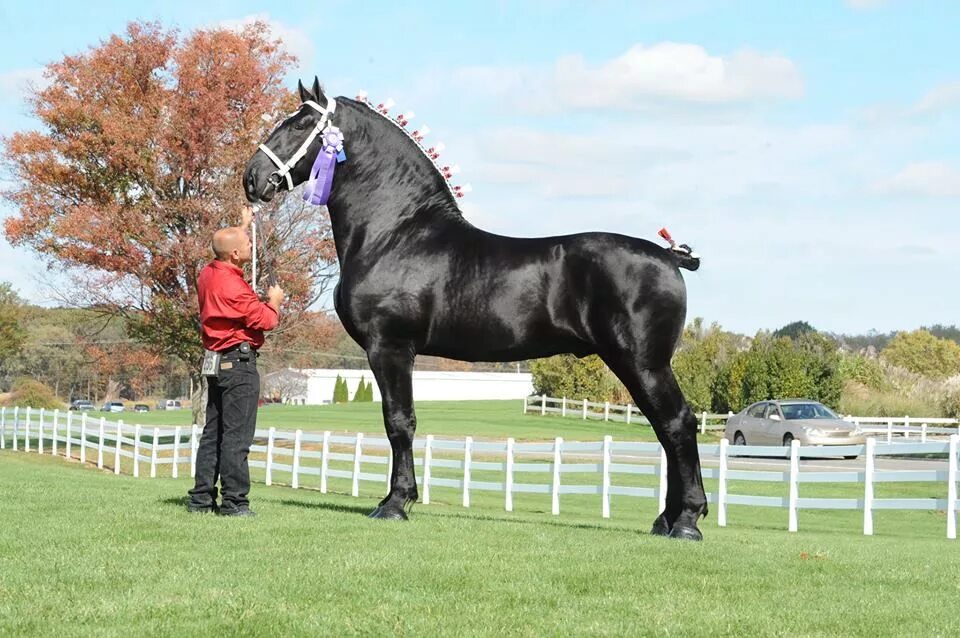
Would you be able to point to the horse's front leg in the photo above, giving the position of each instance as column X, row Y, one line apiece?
column 392, row 366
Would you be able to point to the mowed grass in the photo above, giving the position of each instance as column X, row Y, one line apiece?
column 83, row 552
column 498, row 419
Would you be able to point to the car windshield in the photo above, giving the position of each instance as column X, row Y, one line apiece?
column 794, row 411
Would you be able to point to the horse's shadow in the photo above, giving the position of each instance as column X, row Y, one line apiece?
column 329, row 507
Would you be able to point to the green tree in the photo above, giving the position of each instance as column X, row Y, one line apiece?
column 12, row 333
column 795, row 330
column 565, row 375
column 28, row 392
column 921, row 352
column 361, row 393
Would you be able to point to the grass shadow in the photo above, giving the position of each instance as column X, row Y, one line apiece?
column 330, row 507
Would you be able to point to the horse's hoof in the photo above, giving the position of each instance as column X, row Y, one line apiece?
column 660, row 527
column 388, row 513
column 686, row 533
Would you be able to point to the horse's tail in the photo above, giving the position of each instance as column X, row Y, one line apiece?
column 685, row 257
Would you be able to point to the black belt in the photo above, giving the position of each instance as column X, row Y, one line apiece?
column 243, row 349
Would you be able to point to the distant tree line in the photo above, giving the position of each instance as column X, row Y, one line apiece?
column 915, row 373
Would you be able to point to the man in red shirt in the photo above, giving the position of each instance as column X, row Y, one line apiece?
column 232, row 320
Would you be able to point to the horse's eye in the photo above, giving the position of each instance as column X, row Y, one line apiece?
column 301, row 124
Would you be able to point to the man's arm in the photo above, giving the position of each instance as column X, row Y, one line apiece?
column 255, row 313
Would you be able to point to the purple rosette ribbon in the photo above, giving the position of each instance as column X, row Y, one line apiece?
column 317, row 190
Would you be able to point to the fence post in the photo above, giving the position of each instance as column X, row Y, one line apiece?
column 952, row 488
column 69, row 441
column 584, row 409
column 357, row 451
column 923, row 432
column 427, row 458
column 56, row 432
column 606, row 410
column 524, row 405
column 794, row 478
column 889, row 430
column 26, row 431
column 295, row 480
column 467, row 460
column 605, row 480
column 116, row 450
column 269, row 476
column 3, row 428
column 103, row 422
column 16, row 426
column 703, row 422
column 663, row 479
column 869, row 466
column 508, row 479
column 543, row 405
column 324, row 461
column 563, row 406
column 555, row 487
column 40, row 433
column 83, row 438
column 175, row 472
column 194, row 445
column 722, row 483
column 153, row 453
column 136, row 451
column 906, row 426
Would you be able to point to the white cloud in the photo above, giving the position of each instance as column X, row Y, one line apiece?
column 939, row 98
column 670, row 70
column 864, row 5
column 643, row 76
column 930, row 179
column 296, row 41
column 13, row 84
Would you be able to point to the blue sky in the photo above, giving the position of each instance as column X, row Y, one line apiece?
column 808, row 151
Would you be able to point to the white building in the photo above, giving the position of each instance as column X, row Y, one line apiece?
column 315, row 387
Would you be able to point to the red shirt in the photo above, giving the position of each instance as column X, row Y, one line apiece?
column 230, row 311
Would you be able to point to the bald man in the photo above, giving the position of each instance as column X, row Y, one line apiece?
column 232, row 323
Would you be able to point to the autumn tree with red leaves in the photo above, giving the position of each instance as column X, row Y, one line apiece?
column 138, row 160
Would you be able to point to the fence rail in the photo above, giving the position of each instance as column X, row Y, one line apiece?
column 903, row 426
column 298, row 454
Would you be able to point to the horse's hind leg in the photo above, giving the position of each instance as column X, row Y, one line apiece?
column 392, row 366
column 659, row 397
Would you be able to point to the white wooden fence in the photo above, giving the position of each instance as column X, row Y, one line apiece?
column 608, row 461
column 904, row 426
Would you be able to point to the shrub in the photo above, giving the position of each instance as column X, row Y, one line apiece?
column 28, row 392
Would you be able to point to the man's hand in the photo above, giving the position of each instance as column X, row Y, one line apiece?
column 275, row 297
column 246, row 217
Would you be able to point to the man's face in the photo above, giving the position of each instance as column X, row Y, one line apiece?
column 245, row 251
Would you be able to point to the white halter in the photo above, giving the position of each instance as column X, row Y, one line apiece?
column 283, row 169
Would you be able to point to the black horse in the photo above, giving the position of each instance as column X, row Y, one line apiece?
column 417, row 278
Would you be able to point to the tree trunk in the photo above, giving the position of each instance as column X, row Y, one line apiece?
column 198, row 400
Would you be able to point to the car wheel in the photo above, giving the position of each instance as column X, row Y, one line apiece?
column 787, row 439
column 738, row 439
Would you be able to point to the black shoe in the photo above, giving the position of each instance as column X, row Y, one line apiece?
column 241, row 511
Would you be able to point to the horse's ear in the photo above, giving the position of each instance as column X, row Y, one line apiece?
column 317, row 91
column 304, row 93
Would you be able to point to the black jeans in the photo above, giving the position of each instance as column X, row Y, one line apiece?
column 227, row 435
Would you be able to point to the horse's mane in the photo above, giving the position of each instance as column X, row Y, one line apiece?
column 414, row 170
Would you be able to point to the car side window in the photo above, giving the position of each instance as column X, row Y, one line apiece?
column 771, row 409
column 757, row 410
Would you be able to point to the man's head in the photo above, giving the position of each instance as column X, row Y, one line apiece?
column 232, row 245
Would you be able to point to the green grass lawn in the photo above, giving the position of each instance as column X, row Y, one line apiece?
column 498, row 419
column 83, row 552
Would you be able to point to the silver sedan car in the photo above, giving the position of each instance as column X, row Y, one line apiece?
column 780, row 422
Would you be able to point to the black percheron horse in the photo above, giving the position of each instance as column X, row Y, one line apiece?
column 417, row 278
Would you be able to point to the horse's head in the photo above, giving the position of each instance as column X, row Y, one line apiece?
column 293, row 144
